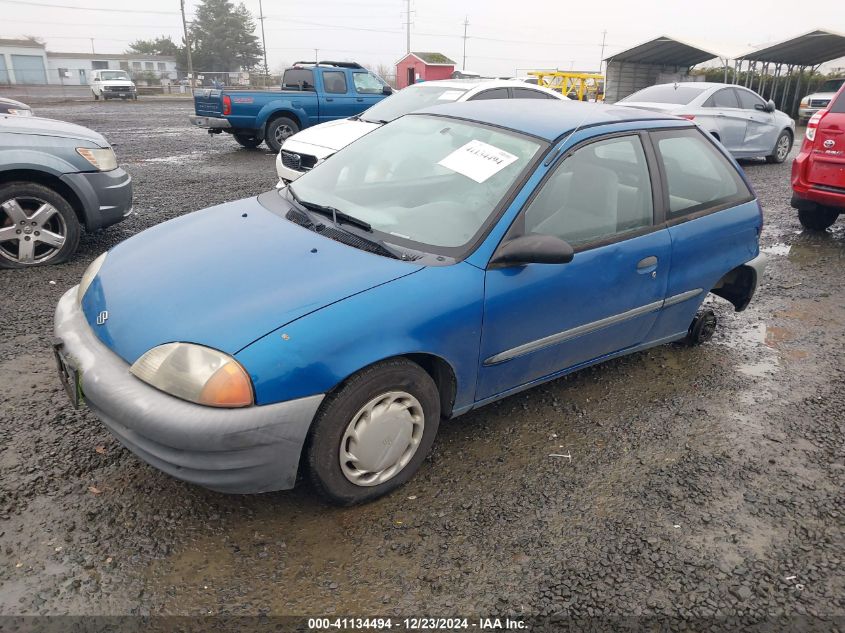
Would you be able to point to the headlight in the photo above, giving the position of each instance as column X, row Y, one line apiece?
column 88, row 276
column 102, row 159
column 195, row 373
column 19, row 112
column 805, row 101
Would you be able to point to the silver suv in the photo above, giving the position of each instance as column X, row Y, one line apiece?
column 55, row 177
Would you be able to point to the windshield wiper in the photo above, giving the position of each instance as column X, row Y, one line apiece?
column 379, row 121
column 336, row 215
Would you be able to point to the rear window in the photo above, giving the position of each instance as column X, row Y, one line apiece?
column 698, row 176
column 666, row 93
column 298, row 79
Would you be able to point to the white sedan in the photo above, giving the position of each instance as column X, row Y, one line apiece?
column 739, row 118
column 313, row 145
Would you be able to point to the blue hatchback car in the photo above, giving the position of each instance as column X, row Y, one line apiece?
column 456, row 256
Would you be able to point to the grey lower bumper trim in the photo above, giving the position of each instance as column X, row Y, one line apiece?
column 209, row 121
column 255, row 449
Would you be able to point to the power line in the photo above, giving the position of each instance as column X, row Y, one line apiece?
column 78, row 8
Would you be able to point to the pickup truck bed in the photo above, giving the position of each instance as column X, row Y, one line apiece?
column 311, row 94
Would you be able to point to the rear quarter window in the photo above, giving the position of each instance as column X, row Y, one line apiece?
column 698, row 177
column 298, row 79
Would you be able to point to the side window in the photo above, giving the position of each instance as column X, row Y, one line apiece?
column 600, row 191
column 749, row 101
column 334, row 82
column 838, row 105
column 298, row 79
column 698, row 176
column 527, row 93
column 724, row 98
column 367, row 84
column 493, row 93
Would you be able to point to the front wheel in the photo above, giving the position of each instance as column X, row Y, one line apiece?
column 817, row 219
column 372, row 435
column 250, row 141
column 96, row 96
column 278, row 130
column 782, row 147
column 37, row 226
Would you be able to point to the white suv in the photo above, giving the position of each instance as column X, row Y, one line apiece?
column 304, row 150
column 112, row 84
column 818, row 100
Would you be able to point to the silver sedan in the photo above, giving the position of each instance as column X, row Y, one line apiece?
column 738, row 117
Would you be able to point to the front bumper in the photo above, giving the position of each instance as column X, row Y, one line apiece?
column 805, row 112
column 249, row 450
column 209, row 122
column 106, row 196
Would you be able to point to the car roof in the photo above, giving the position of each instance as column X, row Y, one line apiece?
column 466, row 84
column 546, row 119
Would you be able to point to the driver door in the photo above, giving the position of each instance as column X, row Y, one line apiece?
column 541, row 319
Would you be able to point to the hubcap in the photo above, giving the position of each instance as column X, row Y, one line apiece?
column 783, row 147
column 282, row 132
column 381, row 438
column 32, row 231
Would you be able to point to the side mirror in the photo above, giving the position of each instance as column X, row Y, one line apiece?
column 770, row 106
column 387, row 90
column 533, row 249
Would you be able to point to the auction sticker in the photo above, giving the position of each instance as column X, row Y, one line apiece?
column 478, row 160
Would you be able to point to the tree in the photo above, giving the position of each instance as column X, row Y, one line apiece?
column 159, row 46
column 223, row 37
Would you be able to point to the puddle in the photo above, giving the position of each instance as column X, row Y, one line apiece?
column 760, row 368
column 176, row 159
column 777, row 249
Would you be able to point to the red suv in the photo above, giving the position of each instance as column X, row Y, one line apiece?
column 818, row 172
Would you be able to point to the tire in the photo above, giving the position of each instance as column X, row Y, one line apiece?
column 781, row 149
column 250, row 141
column 26, row 246
column 702, row 328
column 343, row 410
column 278, row 130
column 134, row 97
column 96, row 96
column 818, row 219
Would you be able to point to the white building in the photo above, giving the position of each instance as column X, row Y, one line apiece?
column 27, row 62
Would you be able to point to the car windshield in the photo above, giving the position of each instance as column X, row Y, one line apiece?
column 832, row 85
column 114, row 74
column 410, row 99
column 665, row 93
column 422, row 180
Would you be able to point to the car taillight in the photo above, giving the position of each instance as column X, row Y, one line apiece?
column 690, row 117
column 227, row 105
column 813, row 125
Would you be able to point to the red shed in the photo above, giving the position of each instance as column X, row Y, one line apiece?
column 423, row 66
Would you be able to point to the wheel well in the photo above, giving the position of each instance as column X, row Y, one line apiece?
column 443, row 376
column 737, row 286
column 48, row 180
column 287, row 115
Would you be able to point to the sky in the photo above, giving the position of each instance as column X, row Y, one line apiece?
column 504, row 37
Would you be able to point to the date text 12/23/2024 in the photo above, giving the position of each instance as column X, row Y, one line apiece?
column 417, row 624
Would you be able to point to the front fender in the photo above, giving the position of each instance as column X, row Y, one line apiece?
column 35, row 160
column 437, row 311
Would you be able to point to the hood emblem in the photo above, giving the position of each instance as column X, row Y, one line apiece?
column 829, row 143
column 102, row 317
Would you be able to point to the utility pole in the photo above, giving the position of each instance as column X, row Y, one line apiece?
column 466, row 24
column 188, row 49
column 263, row 42
column 601, row 59
column 92, row 45
column 408, row 26
column 316, row 54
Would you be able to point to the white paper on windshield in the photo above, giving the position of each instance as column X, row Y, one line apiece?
column 478, row 160
column 450, row 95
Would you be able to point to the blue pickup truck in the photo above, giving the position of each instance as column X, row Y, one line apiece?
column 312, row 92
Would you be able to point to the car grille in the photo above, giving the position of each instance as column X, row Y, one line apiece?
column 119, row 88
column 819, row 103
column 298, row 162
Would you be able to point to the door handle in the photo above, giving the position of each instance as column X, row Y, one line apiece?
column 647, row 265
column 359, row 99
column 329, row 98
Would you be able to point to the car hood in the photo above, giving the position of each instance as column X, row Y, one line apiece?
column 117, row 82
column 223, row 277
column 821, row 95
column 50, row 127
column 333, row 135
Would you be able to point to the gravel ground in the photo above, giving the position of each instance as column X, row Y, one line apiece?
column 698, row 483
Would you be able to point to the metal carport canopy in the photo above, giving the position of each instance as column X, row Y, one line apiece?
column 810, row 49
column 647, row 64
column 663, row 51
